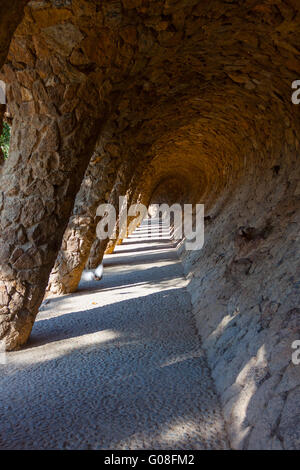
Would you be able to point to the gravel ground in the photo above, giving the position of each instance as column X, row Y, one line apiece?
column 118, row 365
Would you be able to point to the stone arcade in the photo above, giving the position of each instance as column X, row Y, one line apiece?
column 164, row 101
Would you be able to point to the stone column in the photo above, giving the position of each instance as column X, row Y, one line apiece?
column 11, row 13
column 49, row 154
column 122, row 187
column 106, row 179
column 81, row 230
column 99, row 246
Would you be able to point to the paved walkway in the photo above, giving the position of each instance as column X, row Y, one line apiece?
column 117, row 365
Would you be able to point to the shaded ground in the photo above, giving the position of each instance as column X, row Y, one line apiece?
column 117, row 365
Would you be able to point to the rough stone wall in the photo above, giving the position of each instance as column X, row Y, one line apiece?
column 244, row 285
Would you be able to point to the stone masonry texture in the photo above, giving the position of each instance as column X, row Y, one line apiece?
column 163, row 100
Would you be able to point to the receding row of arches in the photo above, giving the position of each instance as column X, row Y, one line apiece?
column 162, row 101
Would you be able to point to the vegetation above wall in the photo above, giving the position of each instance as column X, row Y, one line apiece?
column 4, row 139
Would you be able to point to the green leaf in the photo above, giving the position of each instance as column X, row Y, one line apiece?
column 5, row 139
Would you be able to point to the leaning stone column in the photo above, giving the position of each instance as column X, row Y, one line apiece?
column 81, row 230
column 125, row 175
column 11, row 13
column 118, row 236
column 106, row 179
column 129, row 187
column 97, row 253
column 99, row 246
column 48, row 157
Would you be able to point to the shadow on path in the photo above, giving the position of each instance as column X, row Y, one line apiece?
column 117, row 365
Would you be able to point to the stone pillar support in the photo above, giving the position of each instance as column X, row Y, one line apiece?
column 81, row 230
column 50, row 150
